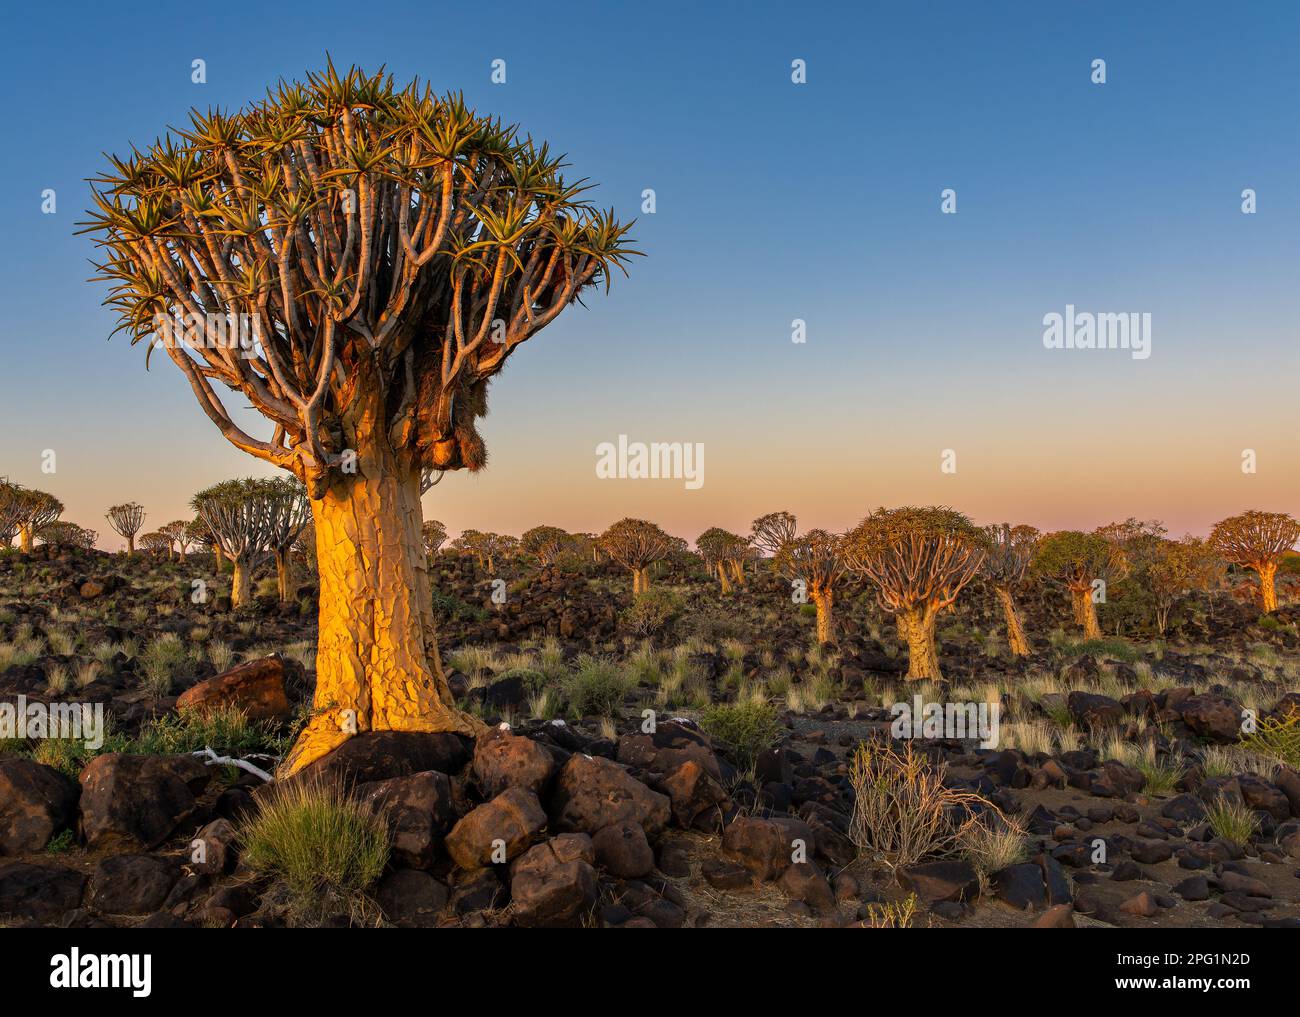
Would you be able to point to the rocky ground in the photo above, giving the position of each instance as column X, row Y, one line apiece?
column 683, row 763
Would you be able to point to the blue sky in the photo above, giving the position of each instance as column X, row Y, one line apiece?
column 775, row 201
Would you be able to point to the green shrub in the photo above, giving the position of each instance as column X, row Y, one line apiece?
column 748, row 727
column 1277, row 739
column 652, row 611
column 315, row 839
column 1231, row 819
column 595, row 687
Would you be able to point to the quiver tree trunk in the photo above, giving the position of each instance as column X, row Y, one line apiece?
column 241, row 583
column 723, row 577
column 284, row 573
column 1085, row 611
column 377, row 667
column 130, row 544
column 1016, row 638
column 738, row 573
column 1267, row 588
column 25, row 538
column 823, row 598
column 916, row 625
column 640, row 580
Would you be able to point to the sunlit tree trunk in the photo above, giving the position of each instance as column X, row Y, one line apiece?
column 1016, row 638
column 25, row 538
column 130, row 544
column 738, row 572
column 917, row 627
column 823, row 598
column 377, row 667
column 284, row 573
column 640, row 580
column 723, row 577
column 1085, row 611
column 241, row 584
column 1267, row 589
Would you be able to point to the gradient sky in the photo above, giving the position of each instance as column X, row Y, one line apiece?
column 775, row 202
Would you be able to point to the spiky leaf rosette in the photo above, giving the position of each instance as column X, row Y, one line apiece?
column 373, row 239
column 916, row 556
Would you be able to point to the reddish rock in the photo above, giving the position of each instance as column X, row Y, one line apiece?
column 553, row 885
column 692, row 791
column 36, row 802
column 138, row 801
column 767, row 847
column 418, row 810
column 503, row 760
column 593, row 793
column 623, row 851
column 511, row 820
column 257, row 688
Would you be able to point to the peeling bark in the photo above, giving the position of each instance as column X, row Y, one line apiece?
column 917, row 627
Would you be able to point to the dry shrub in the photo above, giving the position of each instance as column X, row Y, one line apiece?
column 903, row 812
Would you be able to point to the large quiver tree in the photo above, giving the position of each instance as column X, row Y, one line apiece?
column 387, row 249
column 919, row 559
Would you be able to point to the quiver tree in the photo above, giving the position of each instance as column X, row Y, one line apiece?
column 1084, row 563
column 1257, row 541
column 61, row 533
column 1008, row 551
column 11, row 511
column 485, row 548
column 773, row 531
column 545, row 543
column 201, row 537
column 126, row 521
column 1178, row 567
column 179, row 533
column 305, row 548
column 919, row 559
column 434, row 535
column 287, row 512
column 38, row 510
column 724, row 554
column 238, row 514
column 636, row 545
column 815, row 559
column 156, row 543
column 388, row 249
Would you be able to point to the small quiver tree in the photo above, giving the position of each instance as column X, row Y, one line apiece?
column 719, row 549
column 156, row 543
column 11, row 511
column 1179, row 567
column 126, row 521
column 1256, row 541
column 636, row 545
column 178, row 532
column 1084, row 563
column 39, row 509
column 434, row 535
column 238, row 514
column 1008, row 551
column 61, row 533
column 919, row 559
column 545, row 543
column 815, row 559
column 288, row 512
